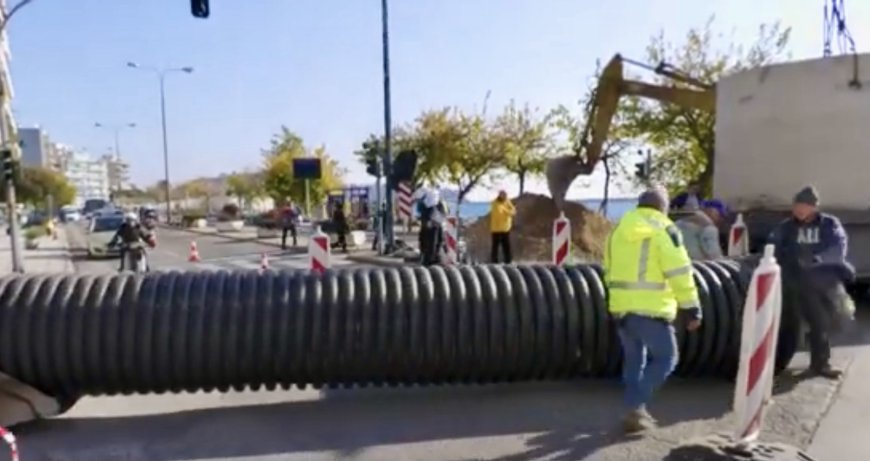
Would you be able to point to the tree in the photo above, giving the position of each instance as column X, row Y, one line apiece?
column 402, row 138
column 199, row 189
column 683, row 139
column 278, row 179
column 526, row 141
column 244, row 186
column 462, row 149
column 35, row 185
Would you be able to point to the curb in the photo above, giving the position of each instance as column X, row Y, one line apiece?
column 225, row 235
column 376, row 261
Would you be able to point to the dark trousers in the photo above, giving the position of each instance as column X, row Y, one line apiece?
column 341, row 241
column 501, row 240
column 430, row 244
column 292, row 230
column 818, row 296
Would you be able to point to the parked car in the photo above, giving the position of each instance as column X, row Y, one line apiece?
column 100, row 233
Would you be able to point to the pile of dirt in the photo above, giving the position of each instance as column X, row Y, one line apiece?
column 532, row 234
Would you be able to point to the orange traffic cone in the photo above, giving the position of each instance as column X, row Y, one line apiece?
column 194, row 253
column 264, row 261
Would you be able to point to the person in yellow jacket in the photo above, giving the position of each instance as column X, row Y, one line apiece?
column 501, row 220
column 650, row 285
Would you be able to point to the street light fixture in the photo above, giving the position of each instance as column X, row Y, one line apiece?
column 116, row 129
column 161, row 76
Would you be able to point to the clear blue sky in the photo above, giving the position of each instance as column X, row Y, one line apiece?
column 315, row 65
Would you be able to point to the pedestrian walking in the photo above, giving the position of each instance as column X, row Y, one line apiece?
column 649, row 279
column 290, row 216
column 339, row 220
column 700, row 230
column 811, row 249
column 501, row 216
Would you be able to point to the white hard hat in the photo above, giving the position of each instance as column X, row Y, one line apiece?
column 131, row 216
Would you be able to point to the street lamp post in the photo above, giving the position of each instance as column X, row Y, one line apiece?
column 116, row 130
column 161, row 75
column 388, row 152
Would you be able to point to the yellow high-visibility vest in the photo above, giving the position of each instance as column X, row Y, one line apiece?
column 647, row 269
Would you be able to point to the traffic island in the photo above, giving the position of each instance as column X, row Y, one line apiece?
column 720, row 447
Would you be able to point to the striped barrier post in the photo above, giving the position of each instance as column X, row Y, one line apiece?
column 9, row 439
column 319, row 251
column 451, row 240
column 405, row 200
column 738, row 238
column 561, row 240
column 761, row 316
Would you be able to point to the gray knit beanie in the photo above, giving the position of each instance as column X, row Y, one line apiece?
column 808, row 195
column 655, row 197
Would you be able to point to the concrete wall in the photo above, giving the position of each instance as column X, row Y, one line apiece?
column 781, row 127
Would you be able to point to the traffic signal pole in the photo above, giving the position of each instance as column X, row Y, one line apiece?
column 388, row 152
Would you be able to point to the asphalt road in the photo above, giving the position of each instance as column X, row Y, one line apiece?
column 532, row 421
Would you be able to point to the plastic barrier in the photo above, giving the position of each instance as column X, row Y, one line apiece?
column 319, row 251
column 9, row 440
column 761, row 320
column 451, row 240
column 77, row 334
column 561, row 240
column 194, row 253
column 738, row 238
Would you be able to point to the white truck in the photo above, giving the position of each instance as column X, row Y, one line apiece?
column 778, row 128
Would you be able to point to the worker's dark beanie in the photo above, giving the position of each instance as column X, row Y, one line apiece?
column 808, row 195
column 656, row 197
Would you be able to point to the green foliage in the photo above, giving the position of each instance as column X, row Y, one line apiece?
column 402, row 138
column 683, row 139
column 34, row 232
column 35, row 185
column 245, row 186
column 525, row 140
column 278, row 181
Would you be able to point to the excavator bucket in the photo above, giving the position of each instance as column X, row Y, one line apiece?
column 562, row 171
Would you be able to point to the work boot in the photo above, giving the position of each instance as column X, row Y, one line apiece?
column 827, row 371
column 643, row 411
column 637, row 421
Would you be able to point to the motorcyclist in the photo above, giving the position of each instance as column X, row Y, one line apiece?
column 130, row 233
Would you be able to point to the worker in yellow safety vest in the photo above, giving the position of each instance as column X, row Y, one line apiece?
column 650, row 284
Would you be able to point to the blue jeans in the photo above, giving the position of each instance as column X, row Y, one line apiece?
column 650, row 355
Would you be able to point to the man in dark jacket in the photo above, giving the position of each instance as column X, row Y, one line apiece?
column 339, row 220
column 811, row 250
column 290, row 215
column 130, row 233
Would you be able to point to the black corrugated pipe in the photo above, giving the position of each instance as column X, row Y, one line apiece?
column 72, row 335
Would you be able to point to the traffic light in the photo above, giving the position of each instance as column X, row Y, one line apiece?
column 404, row 167
column 641, row 171
column 373, row 166
column 199, row 8
column 8, row 164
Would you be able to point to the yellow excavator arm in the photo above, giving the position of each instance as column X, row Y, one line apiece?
column 612, row 86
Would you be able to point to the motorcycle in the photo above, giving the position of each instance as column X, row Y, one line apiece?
column 136, row 258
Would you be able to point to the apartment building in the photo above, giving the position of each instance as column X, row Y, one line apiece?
column 118, row 171
column 89, row 177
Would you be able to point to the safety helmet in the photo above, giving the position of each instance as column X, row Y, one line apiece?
column 131, row 217
column 717, row 205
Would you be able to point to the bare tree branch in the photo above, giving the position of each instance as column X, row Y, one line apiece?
column 6, row 17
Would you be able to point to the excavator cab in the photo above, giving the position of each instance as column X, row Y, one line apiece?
column 612, row 86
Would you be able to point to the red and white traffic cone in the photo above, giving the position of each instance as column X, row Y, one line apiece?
column 194, row 253
column 264, row 261
column 738, row 238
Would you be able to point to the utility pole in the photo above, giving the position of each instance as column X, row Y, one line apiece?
column 9, row 144
column 388, row 152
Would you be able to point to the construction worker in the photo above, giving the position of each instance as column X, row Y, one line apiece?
column 501, row 216
column 700, row 230
column 650, row 284
column 811, row 251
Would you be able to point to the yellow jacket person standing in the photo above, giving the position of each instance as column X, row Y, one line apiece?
column 650, row 283
column 501, row 220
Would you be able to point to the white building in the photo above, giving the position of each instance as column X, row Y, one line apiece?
column 89, row 177
column 8, row 127
column 119, row 172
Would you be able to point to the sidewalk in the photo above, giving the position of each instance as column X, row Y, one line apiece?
column 52, row 256
column 842, row 432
